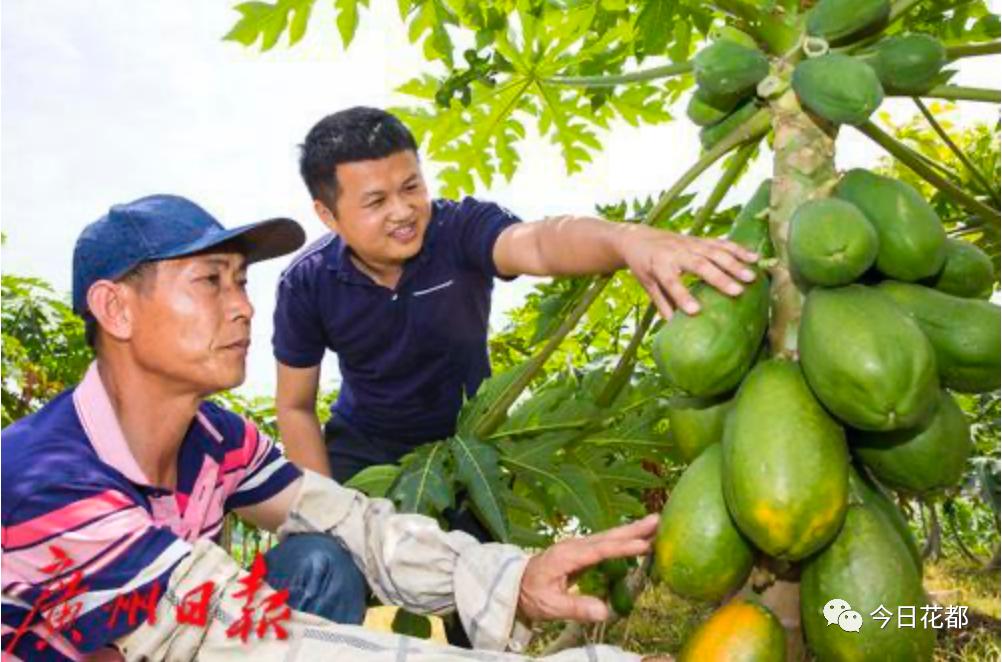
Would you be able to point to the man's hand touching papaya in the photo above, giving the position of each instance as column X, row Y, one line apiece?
column 570, row 246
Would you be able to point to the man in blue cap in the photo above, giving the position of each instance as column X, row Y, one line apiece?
column 116, row 488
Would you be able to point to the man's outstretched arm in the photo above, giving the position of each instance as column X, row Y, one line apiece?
column 572, row 246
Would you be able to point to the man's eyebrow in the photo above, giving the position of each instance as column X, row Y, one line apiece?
column 372, row 193
column 223, row 262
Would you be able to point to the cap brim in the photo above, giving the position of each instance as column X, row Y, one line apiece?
column 257, row 241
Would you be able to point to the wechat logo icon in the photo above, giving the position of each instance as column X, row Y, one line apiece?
column 839, row 612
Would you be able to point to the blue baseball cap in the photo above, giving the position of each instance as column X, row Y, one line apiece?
column 159, row 227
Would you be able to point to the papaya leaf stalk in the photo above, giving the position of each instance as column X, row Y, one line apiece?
column 973, row 50
column 654, row 73
column 907, row 156
column 960, row 93
column 959, row 153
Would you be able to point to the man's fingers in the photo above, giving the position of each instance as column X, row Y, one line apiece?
column 582, row 608
column 738, row 250
column 680, row 296
column 712, row 274
column 732, row 265
column 641, row 528
column 616, row 549
column 658, row 298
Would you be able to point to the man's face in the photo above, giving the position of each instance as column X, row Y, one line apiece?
column 191, row 321
column 382, row 208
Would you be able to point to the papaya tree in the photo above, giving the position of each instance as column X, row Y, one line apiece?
column 798, row 405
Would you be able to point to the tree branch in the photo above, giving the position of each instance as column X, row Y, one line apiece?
column 654, row 73
column 960, row 93
column 724, row 184
column 973, row 50
column 907, row 156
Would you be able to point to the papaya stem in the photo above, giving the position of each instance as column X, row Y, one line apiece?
column 624, row 367
column 907, row 156
column 959, row 153
column 724, row 184
column 973, row 50
column 960, row 93
column 611, row 80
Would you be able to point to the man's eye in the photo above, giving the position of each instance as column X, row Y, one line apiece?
column 374, row 203
column 212, row 279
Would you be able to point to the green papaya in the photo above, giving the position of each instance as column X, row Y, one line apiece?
column 614, row 569
column 865, row 359
column 831, row 242
column 866, row 490
column 921, row 459
column 867, row 566
column 708, row 353
column 731, row 33
column 695, row 424
column 912, row 238
column 909, row 63
column 706, row 110
column 751, row 227
column 839, row 88
column 967, row 272
column 621, row 599
column 843, row 21
column 964, row 334
column 786, row 464
column 711, row 135
column 699, row 552
column 726, row 68
column 743, row 630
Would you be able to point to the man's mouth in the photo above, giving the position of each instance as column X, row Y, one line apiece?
column 404, row 233
column 240, row 345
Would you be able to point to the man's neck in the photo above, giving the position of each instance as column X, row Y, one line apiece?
column 154, row 420
column 387, row 275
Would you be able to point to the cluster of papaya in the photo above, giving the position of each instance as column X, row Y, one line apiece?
column 841, row 88
column 791, row 458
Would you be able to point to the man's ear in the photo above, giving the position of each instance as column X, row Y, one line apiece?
column 325, row 214
column 107, row 302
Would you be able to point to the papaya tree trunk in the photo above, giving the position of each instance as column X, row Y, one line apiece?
column 803, row 169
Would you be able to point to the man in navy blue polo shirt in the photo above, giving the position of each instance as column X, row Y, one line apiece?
column 400, row 291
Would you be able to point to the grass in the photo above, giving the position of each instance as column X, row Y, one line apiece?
column 661, row 621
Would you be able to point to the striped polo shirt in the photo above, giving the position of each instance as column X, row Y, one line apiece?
column 74, row 499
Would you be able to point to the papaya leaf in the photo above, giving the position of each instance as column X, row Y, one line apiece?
column 478, row 468
column 424, row 484
column 347, row 18
column 267, row 22
column 375, row 481
column 490, row 391
column 569, row 485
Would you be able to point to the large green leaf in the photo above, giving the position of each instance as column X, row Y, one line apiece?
column 375, row 481
column 478, row 468
column 424, row 484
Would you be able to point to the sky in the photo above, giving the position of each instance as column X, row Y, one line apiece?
column 100, row 106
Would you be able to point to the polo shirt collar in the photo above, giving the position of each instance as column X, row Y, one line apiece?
column 100, row 424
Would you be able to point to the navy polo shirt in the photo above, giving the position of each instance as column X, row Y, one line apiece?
column 407, row 355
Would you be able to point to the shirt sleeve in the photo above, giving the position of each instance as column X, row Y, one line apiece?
column 265, row 471
column 478, row 226
column 84, row 555
column 298, row 339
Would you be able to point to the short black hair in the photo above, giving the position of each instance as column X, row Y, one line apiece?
column 355, row 134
